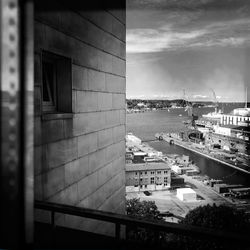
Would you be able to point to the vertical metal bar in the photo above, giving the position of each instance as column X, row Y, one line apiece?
column 27, row 111
column 16, row 104
column 117, row 230
column 10, row 89
column 53, row 218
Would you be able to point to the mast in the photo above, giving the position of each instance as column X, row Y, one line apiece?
column 246, row 98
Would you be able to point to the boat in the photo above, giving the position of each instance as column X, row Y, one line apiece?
column 213, row 115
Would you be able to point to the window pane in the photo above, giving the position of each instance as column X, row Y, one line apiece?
column 48, row 82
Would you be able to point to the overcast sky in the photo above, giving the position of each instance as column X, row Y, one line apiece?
column 194, row 45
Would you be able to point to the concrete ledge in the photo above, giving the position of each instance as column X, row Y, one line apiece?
column 56, row 116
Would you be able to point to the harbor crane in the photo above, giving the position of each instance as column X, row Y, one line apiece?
column 189, row 109
column 216, row 103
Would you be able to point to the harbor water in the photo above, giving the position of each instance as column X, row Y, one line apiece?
column 146, row 125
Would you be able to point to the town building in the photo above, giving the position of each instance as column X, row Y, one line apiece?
column 147, row 176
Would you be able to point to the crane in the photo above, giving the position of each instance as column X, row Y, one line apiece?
column 189, row 109
column 216, row 103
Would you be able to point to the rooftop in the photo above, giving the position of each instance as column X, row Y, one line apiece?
column 139, row 153
column 147, row 166
column 186, row 190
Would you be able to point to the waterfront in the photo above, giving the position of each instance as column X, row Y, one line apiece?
column 146, row 125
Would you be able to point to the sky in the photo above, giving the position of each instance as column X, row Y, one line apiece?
column 200, row 46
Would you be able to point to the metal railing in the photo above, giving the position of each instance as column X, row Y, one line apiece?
column 159, row 226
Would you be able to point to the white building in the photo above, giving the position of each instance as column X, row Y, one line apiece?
column 186, row 194
column 239, row 116
column 133, row 139
column 177, row 169
column 222, row 130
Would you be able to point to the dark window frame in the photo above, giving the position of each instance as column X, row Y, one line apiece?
column 62, row 83
column 52, row 93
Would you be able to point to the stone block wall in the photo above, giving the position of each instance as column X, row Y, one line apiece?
column 80, row 156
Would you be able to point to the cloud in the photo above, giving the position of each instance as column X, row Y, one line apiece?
column 200, row 96
column 169, row 37
column 187, row 24
column 152, row 40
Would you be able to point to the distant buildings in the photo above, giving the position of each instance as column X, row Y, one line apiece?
column 145, row 170
column 239, row 117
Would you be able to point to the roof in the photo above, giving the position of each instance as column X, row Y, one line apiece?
column 139, row 153
column 186, row 190
column 147, row 166
column 240, row 189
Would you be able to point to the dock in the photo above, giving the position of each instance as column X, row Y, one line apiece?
column 189, row 146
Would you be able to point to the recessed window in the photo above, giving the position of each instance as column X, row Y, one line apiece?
column 49, row 84
column 152, row 180
column 56, row 83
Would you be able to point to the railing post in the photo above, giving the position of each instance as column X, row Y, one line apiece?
column 53, row 218
column 117, row 230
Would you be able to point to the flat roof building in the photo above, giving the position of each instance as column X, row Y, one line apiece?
column 147, row 176
column 186, row 194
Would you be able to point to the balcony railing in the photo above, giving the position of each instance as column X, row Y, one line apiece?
column 200, row 233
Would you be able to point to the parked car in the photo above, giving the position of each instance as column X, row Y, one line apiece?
column 167, row 214
column 147, row 193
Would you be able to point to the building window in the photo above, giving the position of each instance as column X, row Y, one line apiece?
column 135, row 173
column 152, row 172
column 152, row 180
column 158, row 172
column 146, row 172
column 165, row 179
column 165, row 172
column 49, row 84
column 56, row 83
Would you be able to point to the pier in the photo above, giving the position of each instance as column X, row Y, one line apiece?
column 189, row 146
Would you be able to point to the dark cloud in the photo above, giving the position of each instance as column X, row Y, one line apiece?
column 188, row 5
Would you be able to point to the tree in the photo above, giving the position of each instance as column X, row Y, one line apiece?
column 143, row 209
column 221, row 217
column 218, row 217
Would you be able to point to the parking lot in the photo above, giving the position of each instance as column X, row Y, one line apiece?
column 167, row 201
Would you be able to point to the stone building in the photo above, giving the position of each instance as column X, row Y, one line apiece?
column 147, row 176
column 80, row 109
